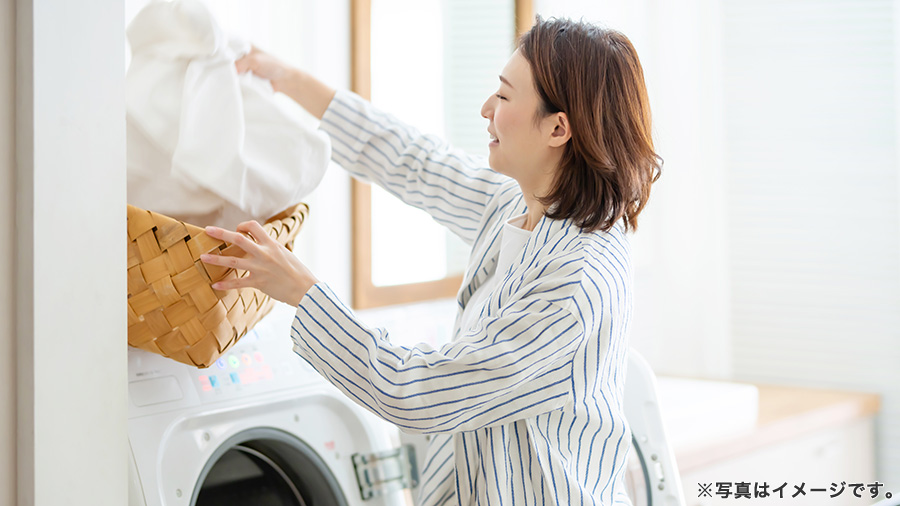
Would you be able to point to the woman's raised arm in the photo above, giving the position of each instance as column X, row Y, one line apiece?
column 312, row 94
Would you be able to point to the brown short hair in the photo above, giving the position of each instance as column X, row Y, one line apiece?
column 594, row 75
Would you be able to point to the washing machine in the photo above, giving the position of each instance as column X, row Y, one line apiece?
column 260, row 427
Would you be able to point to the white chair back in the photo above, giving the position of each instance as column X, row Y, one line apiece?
column 649, row 441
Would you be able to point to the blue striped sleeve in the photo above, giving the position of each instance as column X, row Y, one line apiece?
column 516, row 365
column 421, row 170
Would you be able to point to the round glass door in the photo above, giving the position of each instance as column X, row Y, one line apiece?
column 266, row 467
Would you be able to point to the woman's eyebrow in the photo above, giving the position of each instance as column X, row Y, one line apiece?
column 505, row 81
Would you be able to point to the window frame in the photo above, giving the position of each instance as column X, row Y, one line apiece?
column 366, row 294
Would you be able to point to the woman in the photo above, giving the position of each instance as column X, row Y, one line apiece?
column 525, row 404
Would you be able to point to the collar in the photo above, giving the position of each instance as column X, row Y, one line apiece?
column 488, row 249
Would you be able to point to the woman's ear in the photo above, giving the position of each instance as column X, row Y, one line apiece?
column 561, row 132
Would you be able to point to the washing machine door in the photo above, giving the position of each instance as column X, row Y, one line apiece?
column 264, row 467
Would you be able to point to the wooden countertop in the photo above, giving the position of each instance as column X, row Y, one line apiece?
column 785, row 413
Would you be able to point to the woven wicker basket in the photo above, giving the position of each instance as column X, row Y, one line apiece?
column 172, row 310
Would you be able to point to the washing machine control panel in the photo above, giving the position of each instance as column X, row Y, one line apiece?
column 262, row 361
column 228, row 371
column 256, row 364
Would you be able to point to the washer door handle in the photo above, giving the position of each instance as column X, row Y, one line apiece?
column 384, row 472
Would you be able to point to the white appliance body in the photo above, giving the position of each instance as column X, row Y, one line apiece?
column 183, row 419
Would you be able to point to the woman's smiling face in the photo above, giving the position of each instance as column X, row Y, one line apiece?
column 519, row 144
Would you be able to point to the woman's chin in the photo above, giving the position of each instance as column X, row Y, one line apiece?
column 498, row 168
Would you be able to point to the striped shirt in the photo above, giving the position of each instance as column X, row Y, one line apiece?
column 525, row 406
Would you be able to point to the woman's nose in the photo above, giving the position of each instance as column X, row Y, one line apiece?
column 487, row 110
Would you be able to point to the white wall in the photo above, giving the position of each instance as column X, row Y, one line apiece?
column 813, row 202
column 7, row 255
column 70, row 253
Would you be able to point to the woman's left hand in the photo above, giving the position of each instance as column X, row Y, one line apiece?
column 271, row 268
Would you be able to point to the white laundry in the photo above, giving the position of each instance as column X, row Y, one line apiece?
column 205, row 144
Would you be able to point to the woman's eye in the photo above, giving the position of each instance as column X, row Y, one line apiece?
column 501, row 97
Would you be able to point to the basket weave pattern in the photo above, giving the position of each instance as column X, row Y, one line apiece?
column 172, row 309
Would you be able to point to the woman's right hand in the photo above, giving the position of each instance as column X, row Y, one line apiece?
column 312, row 94
column 266, row 66
column 271, row 267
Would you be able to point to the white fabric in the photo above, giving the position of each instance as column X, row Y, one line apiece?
column 512, row 241
column 206, row 144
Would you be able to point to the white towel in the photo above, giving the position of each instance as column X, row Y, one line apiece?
column 205, row 144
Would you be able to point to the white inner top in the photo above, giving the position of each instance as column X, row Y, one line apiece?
column 512, row 240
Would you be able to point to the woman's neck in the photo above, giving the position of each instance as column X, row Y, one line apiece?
column 532, row 189
column 534, row 213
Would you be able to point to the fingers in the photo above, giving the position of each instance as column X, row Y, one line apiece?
column 236, row 238
column 255, row 230
column 240, row 239
column 247, row 62
column 242, row 64
column 241, row 264
column 232, row 284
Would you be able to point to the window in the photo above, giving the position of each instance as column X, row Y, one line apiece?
column 400, row 254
